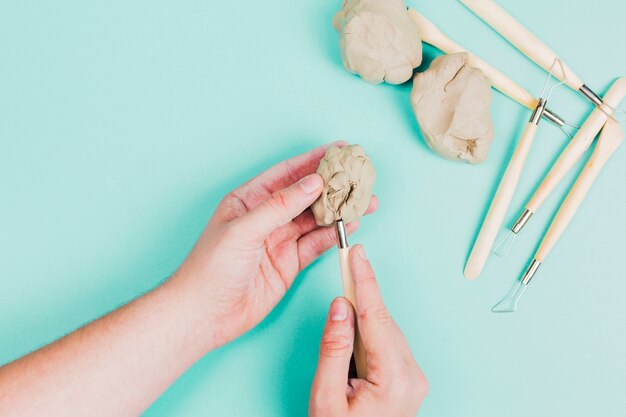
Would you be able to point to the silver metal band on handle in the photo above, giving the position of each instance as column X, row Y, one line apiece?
column 553, row 117
column 593, row 97
column 521, row 222
column 539, row 110
column 531, row 271
column 342, row 235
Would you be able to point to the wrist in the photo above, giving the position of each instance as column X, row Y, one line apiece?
column 193, row 308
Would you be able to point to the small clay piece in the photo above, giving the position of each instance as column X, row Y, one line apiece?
column 451, row 103
column 378, row 40
column 348, row 177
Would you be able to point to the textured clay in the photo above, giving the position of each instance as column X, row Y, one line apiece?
column 348, row 180
column 378, row 40
column 451, row 103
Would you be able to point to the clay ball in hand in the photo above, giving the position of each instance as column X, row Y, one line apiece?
column 349, row 178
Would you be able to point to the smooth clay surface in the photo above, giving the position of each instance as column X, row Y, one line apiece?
column 348, row 177
column 378, row 40
column 451, row 103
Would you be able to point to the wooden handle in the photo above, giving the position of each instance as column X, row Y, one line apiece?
column 430, row 34
column 499, row 205
column 350, row 294
column 577, row 146
column 612, row 136
column 523, row 39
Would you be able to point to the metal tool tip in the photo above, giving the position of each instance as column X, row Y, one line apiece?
column 504, row 244
column 509, row 303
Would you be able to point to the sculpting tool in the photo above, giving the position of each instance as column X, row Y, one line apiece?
column 506, row 189
column 531, row 46
column 430, row 34
column 350, row 294
column 572, row 153
column 610, row 139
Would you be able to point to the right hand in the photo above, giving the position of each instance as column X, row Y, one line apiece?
column 395, row 385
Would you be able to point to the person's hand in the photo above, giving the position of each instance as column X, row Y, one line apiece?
column 395, row 385
column 260, row 237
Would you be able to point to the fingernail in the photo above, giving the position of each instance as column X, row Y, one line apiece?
column 360, row 251
column 311, row 183
column 339, row 310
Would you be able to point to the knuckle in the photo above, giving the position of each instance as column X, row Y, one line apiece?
column 233, row 206
column 321, row 244
column 366, row 280
column 335, row 345
column 316, row 246
column 377, row 313
column 279, row 201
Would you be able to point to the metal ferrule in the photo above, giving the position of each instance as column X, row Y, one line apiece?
column 531, row 271
column 553, row 117
column 342, row 235
column 539, row 110
column 521, row 221
column 593, row 97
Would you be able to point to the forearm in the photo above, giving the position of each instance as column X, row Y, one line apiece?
column 115, row 366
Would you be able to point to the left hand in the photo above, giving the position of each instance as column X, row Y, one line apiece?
column 260, row 237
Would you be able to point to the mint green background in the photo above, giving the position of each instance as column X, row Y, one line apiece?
column 123, row 123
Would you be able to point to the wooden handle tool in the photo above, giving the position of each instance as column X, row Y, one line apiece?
column 502, row 199
column 531, row 46
column 610, row 139
column 522, row 38
column 349, row 293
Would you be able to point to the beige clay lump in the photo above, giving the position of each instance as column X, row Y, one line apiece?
column 451, row 102
column 349, row 178
column 378, row 40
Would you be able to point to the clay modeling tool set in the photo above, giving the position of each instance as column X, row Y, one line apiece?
column 610, row 139
column 602, row 118
column 506, row 189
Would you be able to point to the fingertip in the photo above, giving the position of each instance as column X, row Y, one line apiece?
column 312, row 184
column 340, row 310
column 359, row 264
column 373, row 206
column 340, row 143
column 352, row 227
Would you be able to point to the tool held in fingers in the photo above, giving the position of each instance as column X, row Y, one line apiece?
column 610, row 139
column 506, row 188
column 350, row 294
column 430, row 34
column 570, row 155
column 531, row 46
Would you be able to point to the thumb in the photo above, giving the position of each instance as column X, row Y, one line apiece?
column 282, row 207
column 331, row 378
